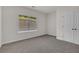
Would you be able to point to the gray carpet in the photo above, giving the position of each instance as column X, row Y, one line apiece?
column 42, row 44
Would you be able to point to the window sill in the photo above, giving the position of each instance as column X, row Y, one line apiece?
column 26, row 31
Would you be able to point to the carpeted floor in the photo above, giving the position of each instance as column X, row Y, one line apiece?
column 42, row 44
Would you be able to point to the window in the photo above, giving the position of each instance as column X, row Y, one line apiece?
column 27, row 23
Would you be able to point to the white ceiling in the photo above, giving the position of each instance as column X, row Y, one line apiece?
column 44, row 9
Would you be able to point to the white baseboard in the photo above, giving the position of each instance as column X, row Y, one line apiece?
column 51, row 35
column 20, row 39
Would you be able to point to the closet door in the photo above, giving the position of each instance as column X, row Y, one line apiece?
column 76, row 32
column 68, row 25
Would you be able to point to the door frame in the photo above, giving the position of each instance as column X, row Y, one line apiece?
column 0, row 24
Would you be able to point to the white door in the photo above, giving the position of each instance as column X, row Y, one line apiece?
column 76, row 32
column 68, row 25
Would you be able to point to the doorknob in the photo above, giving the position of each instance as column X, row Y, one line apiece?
column 74, row 29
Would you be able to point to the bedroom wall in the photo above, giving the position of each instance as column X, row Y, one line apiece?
column 0, row 25
column 51, row 24
column 10, row 24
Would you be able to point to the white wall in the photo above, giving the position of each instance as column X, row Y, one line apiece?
column 0, row 25
column 51, row 26
column 10, row 23
column 59, row 23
